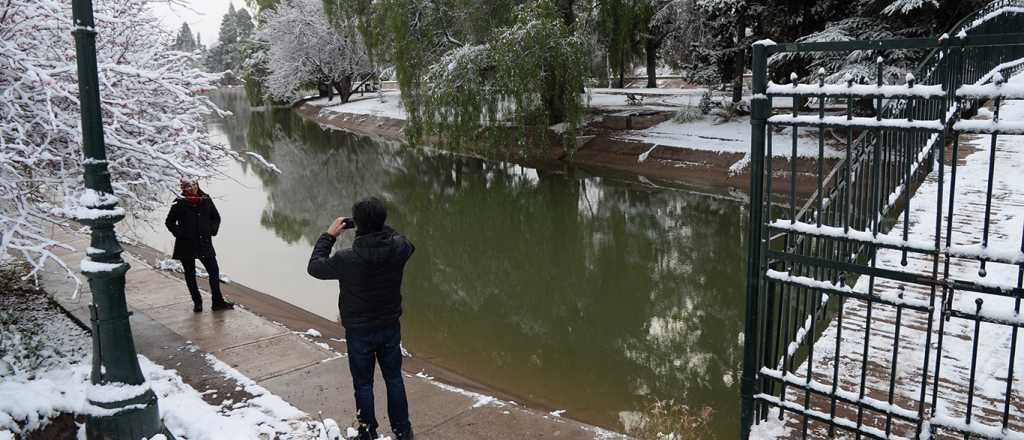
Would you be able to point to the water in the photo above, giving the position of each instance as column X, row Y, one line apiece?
column 577, row 291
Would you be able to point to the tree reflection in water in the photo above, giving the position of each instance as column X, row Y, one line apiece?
column 577, row 291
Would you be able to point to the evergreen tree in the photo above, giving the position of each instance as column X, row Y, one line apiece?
column 243, row 25
column 256, row 56
column 871, row 20
column 183, row 41
column 236, row 27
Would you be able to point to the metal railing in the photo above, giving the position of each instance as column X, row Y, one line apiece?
column 806, row 255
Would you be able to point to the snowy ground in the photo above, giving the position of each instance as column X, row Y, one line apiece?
column 597, row 99
column 369, row 104
column 45, row 363
column 729, row 137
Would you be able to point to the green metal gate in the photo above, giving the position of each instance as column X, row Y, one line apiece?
column 813, row 259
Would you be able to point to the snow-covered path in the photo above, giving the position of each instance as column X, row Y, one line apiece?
column 958, row 334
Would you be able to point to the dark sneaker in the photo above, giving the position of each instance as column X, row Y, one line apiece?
column 197, row 307
column 404, row 435
column 223, row 305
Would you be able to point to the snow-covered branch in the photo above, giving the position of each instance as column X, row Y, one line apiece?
column 152, row 110
column 305, row 48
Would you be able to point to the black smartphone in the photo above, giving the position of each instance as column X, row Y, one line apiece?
column 348, row 224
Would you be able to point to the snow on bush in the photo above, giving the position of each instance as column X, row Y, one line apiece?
column 305, row 48
column 152, row 113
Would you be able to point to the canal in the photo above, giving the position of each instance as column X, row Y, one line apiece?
column 574, row 290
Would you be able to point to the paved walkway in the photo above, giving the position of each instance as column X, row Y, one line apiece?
column 311, row 376
column 994, row 341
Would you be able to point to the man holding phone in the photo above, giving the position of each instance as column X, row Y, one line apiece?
column 370, row 278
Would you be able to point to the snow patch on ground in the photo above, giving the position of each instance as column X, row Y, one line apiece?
column 770, row 429
column 391, row 107
column 47, row 364
column 172, row 265
column 728, row 137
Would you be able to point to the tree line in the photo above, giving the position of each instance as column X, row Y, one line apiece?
column 466, row 64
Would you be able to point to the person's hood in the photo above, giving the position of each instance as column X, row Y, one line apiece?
column 382, row 246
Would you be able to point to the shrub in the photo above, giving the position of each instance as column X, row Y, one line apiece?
column 687, row 114
column 706, row 102
column 668, row 420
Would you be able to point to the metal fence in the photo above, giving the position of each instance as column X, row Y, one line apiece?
column 809, row 255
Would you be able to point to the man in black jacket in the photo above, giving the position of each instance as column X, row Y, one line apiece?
column 370, row 276
column 194, row 220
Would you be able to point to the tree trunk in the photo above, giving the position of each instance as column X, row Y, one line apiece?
column 553, row 100
column 739, row 59
column 565, row 9
column 622, row 72
column 344, row 88
column 651, row 50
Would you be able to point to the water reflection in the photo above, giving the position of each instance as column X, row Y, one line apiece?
column 578, row 291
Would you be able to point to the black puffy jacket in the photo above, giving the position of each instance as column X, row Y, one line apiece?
column 193, row 226
column 369, row 274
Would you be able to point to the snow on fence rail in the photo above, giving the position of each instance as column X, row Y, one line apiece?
column 858, row 90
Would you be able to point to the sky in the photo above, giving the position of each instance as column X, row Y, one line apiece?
column 202, row 16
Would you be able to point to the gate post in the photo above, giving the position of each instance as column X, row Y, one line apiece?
column 758, row 122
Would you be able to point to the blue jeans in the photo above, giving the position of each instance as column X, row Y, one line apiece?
column 382, row 346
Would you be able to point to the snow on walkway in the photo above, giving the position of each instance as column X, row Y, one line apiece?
column 958, row 335
column 45, row 364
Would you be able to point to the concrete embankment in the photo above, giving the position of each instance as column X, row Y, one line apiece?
column 602, row 149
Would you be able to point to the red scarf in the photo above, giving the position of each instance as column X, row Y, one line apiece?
column 192, row 194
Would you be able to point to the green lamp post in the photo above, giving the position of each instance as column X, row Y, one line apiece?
column 114, row 360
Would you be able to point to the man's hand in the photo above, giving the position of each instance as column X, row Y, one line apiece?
column 335, row 228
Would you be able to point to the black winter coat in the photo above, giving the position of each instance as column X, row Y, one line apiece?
column 193, row 226
column 369, row 274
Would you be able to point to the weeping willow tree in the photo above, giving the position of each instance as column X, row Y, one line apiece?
column 620, row 28
column 471, row 70
column 529, row 74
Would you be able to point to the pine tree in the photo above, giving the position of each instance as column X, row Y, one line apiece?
column 229, row 27
column 236, row 28
column 872, row 20
column 183, row 41
column 243, row 25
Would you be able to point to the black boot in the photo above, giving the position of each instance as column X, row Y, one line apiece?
column 222, row 305
column 197, row 306
column 408, row 435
